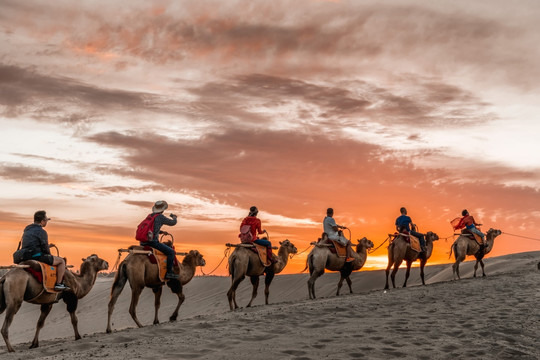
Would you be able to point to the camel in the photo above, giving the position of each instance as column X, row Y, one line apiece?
column 141, row 273
column 466, row 245
column 400, row 250
column 321, row 258
column 18, row 285
column 244, row 262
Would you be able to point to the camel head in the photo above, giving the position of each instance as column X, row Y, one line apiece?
column 364, row 243
column 195, row 254
column 430, row 235
column 493, row 233
column 96, row 262
column 289, row 246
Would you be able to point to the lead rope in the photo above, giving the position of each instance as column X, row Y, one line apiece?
column 117, row 262
column 225, row 255
column 370, row 251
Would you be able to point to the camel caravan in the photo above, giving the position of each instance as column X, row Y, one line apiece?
column 38, row 277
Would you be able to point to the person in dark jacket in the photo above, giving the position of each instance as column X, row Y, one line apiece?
column 160, row 220
column 404, row 223
column 36, row 241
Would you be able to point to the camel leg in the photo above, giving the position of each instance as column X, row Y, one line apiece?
column 482, row 264
column 422, row 265
column 475, row 267
column 455, row 267
column 71, row 301
column 255, row 282
column 157, row 303
column 45, row 310
column 409, row 263
column 387, row 271
column 340, row 283
column 135, row 294
column 394, row 272
column 345, row 273
column 11, row 310
column 231, row 294
column 267, row 281
column 311, row 283
column 178, row 290
column 118, row 286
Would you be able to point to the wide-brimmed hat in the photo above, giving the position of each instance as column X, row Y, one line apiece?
column 160, row 206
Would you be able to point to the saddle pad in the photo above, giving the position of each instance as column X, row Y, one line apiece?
column 415, row 243
column 49, row 277
column 261, row 250
column 341, row 250
column 161, row 261
column 478, row 239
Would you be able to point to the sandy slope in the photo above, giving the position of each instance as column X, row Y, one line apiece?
column 493, row 317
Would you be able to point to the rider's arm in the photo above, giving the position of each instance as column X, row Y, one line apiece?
column 168, row 221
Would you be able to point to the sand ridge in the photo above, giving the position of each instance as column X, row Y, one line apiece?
column 493, row 317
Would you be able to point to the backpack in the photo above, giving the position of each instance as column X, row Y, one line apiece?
column 245, row 234
column 145, row 230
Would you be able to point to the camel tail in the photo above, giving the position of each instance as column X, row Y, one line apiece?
column 120, row 278
column 232, row 261
column 309, row 263
column 451, row 248
column 2, row 297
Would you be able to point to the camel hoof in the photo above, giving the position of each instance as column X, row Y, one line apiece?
column 33, row 346
column 172, row 318
column 108, row 331
column 78, row 337
column 156, row 322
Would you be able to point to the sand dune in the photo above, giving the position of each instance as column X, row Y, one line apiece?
column 493, row 317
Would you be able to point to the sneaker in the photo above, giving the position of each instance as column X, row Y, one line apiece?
column 171, row 275
column 349, row 259
column 60, row 287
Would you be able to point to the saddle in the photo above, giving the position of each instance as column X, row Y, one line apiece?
column 43, row 273
column 476, row 237
column 413, row 241
column 335, row 248
column 156, row 257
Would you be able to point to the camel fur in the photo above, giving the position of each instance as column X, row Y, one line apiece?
column 400, row 250
column 466, row 245
column 244, row 262
column 141, row 273
column 19, row 285
column 321, row 258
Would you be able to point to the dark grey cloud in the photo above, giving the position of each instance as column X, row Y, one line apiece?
column 19, row 172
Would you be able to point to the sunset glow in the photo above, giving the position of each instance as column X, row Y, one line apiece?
column 292, row 106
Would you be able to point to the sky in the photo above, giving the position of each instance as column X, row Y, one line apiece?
column 293, row 106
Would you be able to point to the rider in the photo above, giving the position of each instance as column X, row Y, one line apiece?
column 255, row 224
column 404, row 223
column 158, row 208
column 332, row 230
column 468, row 221
column 36, row 240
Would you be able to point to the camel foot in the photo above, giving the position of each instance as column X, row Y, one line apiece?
column 156, row 322
column 34, row 345
column 78, row 337
column 173, row 318
column 108, row 331
column 484, row 275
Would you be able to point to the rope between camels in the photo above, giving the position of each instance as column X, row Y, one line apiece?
column 377, row 248
column 520, row 236
column 226, row 254
column 301, row 252
column 117, row 261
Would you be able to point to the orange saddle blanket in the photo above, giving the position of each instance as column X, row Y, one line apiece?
column 263, row 255
column 341, row 250
column 47, row 276
column 413, row 241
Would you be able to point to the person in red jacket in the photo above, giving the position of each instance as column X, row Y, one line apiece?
column 467, row 221
column 256, row 229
